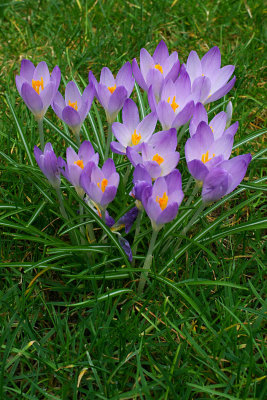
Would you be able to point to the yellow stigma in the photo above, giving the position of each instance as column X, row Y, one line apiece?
column 211, row 129
column 163, row 201
column 104, row 184
column 73, row 105
column 174, row 105
column 136, row 138
column 159, row 67
column 79, row 163
column 112, row 88
column 158, row 159
column 205, row 157
column 36, row 85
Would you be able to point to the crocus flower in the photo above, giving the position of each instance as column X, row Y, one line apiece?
column 218, row 124
column 126, row 247
column 74, row 109
column 209, row 81
column 100, row 184
column 224, row 178
column 159, row 156
column 155, row 69
column 75, row 164
column 162, row 201
column 126, row 220
column 112, row 92
column 132, row 132
column 48, row 164
column 141, row 179
column 176, row 104
column 37, row 87
column 203, row 153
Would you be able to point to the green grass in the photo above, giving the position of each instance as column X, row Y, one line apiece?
column 71, row 328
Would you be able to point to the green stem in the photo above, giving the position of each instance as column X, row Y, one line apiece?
column 136, row 234
column 77, row 135
column 181, row 134
column 83, row 241
column 109, row 138
column 126, row 175
column 61, row 204
column 147, row 263
column 41, row 132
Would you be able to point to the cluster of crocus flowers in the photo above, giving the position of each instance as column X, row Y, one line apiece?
column 177, row 95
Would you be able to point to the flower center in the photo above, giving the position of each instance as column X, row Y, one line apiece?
column 73, row 105
column 79, row 163
column 211, row 129
column 174, row 105
column 158, row 159
column 159, row 67
column 163, row 201
column 36, row 85
column 104, row 184
column 136, row 138
column 112, row 88
column 205, row 157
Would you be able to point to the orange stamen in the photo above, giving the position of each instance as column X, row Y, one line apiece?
column 112, row 88
column 73, row 105
column 174, row 105
column 163, row 201
column 79, row 163
column 36, row 85
column 205, row 157
column 104, row 184
column 159, row 67
column 136, row 138
column 158, row 159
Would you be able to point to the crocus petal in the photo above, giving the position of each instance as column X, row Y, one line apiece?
column 93, row 80
column 19, row 82
column 89, row 94
column 138, row 75
column 199, row 143
column 168, row 214
column 200, row 114
column 108, row 167
column 27, row 70
column 74, row 173
column 232, row 129
column 146, row 62
column 42, row 71
column 126, row 247
column 159, row 187
column 103, row 95
column 117, row 148
column 86, row 151
column 121, row 133
column 141, row 174
column 221, row 92
column 56, row 76
column 71, row 156
column 58, row 104
column 201, row 89
column 174, row 181
column 31, row 98
column 85, row 177
column 108, row 195
column 130, row 115
column 229, row 112
column 133, row 156
column 174, row 71
column 193, row 66
column 221, row 77
column 155, row 79
column 215, row 185
column 165, row 114
column 161, row 53
column 106, row 77
column 217, row 124
column 151, row 99
column 197, row 169
column 211, row 61
column 125, row 78
column 169, row 163
column 182, row 87
column 72, row 94
column 223, row 146
column 237, row 168
column 47, row 94
column 117, row 100
column 152, row 208
column 184, row 115
column 147, row 126
column 71, row 117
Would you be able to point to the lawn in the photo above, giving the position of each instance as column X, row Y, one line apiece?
column 72, row 323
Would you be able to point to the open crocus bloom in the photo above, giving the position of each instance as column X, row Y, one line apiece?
column 176, row 105
column 209, row 81
column 203, row 153
column 162, row 201
column 158, row 156
column 224, row 178
column 112, row 92
column 48, row 164
column 74, row 109
column 132, row 132
column 37, row 87
column 155, row 69
column 218, row 124
column 75, row 164
column 100, row 184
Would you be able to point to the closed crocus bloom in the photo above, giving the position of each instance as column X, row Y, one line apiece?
column 209, row 81
column 75, row 107
column 161, row 202
column 203, row 153
column 155, row 69
column 141, row 179
column 159, row 156
column 132, row 132
column 75, row 164
column 176, row 105
column 224, row 178
column 48, row 164
column 37, row 87
column 218, row 124
column 100, row 184
column 112, row 92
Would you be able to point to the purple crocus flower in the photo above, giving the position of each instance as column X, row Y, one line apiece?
column 203, row 153
column 100, row 184
column 126, row 247
column 127, row 220
column 37, row 87
column 218, row 124
column 112, row 92
column 74, row 109
column 141, row 179
column 159, row 156
column 176, row 104
column 48, row 164
column 224, row 178
column 209, row 81
column 162, row 201
column 132, row 132
column 75, row 164
column 155, row 69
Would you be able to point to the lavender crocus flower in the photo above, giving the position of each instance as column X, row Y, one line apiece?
column 112, row 92
column 224, row 178
column 126, row 220
column 141, row 179
column 48, row 164
column 100, row 184
column 162, row 201
column 203, row 153
column 37, row 87
column 209, row 81
column 74, row 109
column 132, row 132
column 218, row 124
column 75, row 164
column 159, row 156
column 155, row 69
